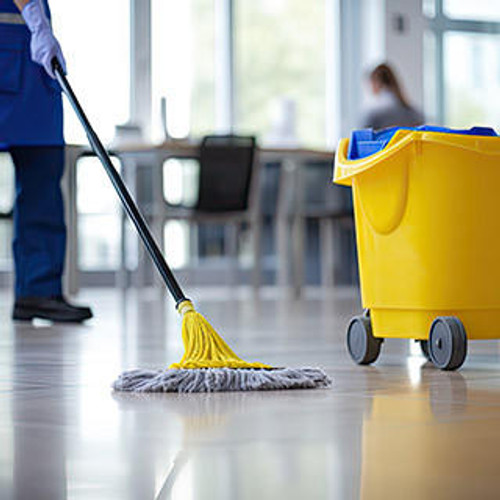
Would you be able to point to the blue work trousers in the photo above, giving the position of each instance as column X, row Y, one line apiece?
column 39, row 229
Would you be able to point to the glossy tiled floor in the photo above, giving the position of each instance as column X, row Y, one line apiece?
column 399, row 429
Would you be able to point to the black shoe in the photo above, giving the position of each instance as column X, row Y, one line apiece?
column 51, row 308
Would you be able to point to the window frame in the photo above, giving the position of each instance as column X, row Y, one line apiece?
column 438, row 26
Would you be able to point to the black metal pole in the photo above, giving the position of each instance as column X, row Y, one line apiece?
column 122, row 191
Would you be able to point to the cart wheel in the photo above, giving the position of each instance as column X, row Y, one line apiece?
column 447, row 343
column 424, row 347
column 363, row 347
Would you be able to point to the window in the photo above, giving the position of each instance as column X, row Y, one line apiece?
column 95, row 39
column 480, row 10
column 462, row 70
column 176, row 243
column 180, row 187
column 280, row 81
column 180, row 181
column 472, row 79
column 279, row 78
column 183, row 66
column 282, row 61
column 98, row 217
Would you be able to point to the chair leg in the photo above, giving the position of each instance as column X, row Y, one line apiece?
column 122, row 274
column 256, row 227
column 298, row 259
column 71, row 284
column 282, row 251
column 326, row 229
column 139, row 278
column 194, row 250
column 298, row 232
column 231, row 249
column 287, row 182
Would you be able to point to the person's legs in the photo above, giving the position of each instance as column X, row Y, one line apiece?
column 40, row 235
column 39, row 229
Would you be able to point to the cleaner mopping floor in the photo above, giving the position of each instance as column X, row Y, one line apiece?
column 208, row 363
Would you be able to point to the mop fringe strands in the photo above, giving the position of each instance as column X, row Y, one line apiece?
column 208, row 364
column 220, row 380
column 203, row 346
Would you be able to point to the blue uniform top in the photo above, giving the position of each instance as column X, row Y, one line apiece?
column 30, row 100
column 8, row 6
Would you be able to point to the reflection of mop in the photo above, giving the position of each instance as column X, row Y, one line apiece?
column 199, row 421
column 201, row 415
column 208, row 363
column 175, row 469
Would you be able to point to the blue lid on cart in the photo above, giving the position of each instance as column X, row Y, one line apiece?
column 367, row 142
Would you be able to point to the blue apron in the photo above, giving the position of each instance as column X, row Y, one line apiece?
column 30, row 101
column 31, row 128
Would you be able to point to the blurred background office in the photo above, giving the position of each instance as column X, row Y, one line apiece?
column 290, row 73
column 184, row 92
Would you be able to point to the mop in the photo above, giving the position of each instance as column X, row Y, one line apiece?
column 208, row 364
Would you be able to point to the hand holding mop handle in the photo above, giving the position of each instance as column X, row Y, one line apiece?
column 125, row 197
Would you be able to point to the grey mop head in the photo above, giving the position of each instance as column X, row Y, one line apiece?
column 220, row 380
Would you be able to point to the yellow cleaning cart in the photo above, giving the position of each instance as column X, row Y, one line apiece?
column 427, row 213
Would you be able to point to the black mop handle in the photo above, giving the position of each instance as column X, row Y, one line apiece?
column 125, row 197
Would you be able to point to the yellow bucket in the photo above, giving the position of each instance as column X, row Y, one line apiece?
column 427, row 211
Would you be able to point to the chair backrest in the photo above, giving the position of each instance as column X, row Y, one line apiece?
column 320, row 192
column 226, row 168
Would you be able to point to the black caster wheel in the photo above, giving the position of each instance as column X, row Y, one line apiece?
column 447, row 343
column 424, row 347
column 363, row 347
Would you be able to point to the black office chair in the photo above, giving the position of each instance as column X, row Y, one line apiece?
column 227, row 192
column 226, row 169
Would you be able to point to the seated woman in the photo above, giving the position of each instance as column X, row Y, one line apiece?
column 391, row 108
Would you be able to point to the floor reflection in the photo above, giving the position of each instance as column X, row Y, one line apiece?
column 397, row 429
column 39, row 444
column 430, row 440
column 239, row 445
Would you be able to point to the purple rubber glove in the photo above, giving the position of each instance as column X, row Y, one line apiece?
column 44, row 45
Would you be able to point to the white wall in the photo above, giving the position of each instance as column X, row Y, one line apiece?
column 373, row 32
column 404, row 49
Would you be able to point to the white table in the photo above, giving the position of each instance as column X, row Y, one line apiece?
column 290, row 256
